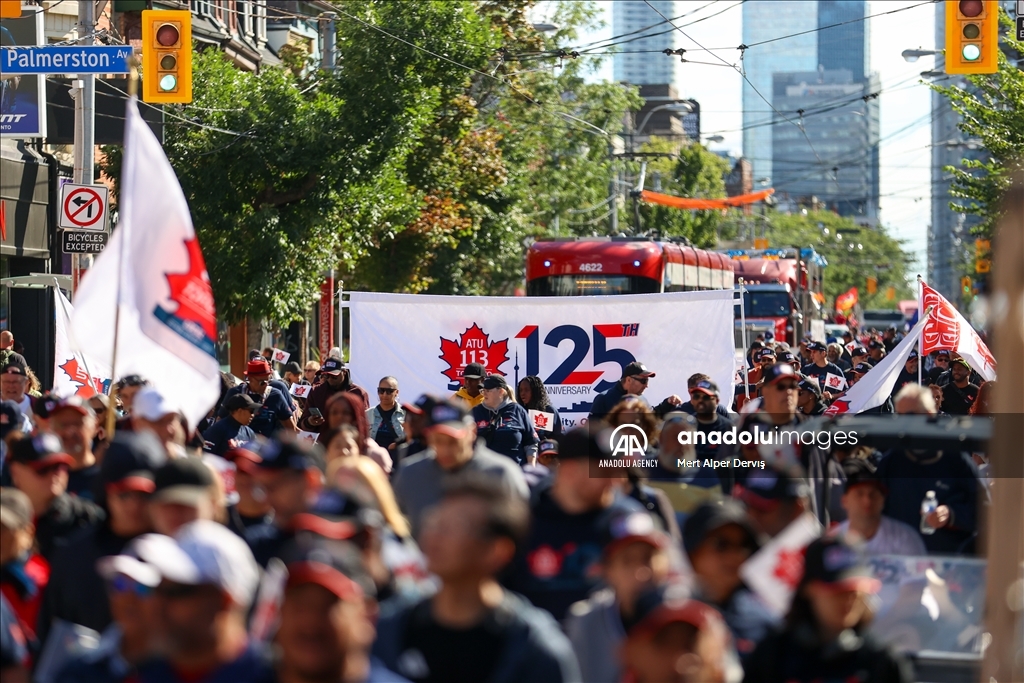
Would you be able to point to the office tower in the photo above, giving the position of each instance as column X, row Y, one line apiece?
column 846, row 179
column 846, row 46
column 632, row 66
column 765, row 20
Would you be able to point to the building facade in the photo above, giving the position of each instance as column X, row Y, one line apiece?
column 634, row 64
column 847, row 46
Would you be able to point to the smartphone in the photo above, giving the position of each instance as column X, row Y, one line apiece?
column 315, row 412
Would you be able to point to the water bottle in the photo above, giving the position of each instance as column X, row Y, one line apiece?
column 928, row 506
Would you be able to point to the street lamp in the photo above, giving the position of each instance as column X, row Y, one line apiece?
column 545, row 27
column 932, row 74
column 679, row 107
column 914, row 55
column 714, row 138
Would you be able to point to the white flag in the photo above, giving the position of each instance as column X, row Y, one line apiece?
column 73, row 373
column 834, row 383
column 774, row 571
column 168, row 328
column 281, row 356
column 876, row 385
column 541, row 420
column 949, row 331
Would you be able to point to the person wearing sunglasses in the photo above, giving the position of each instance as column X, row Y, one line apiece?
column 635, row 378
column 275, row 410
column 387, row 418
column 39, row 468
column 718, row 538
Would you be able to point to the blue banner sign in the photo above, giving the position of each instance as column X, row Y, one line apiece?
column 66, row 59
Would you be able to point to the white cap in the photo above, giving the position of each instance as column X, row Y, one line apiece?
column 129, row 564
column 204, row 552
column 150, row 404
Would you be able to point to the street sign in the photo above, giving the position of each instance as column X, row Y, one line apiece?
column 1020, row 27
column 82, row 241
column 66, row 59
column 83, row 207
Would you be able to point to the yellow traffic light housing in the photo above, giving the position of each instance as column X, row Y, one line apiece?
column 872, row 285
column 10, row 9
column 966, row 286
column 167, row 56
column 972, row 36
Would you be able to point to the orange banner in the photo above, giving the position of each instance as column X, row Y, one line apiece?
column 704, row 204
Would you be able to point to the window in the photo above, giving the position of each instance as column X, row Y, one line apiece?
column 201, row 7
column 245, row 18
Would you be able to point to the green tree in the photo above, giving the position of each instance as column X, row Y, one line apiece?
column 693, row 172
column 991, row 110
column 854, row 253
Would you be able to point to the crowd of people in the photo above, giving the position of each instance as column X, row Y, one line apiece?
column 307, row 533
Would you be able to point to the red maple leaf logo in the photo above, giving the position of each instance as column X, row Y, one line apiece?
column 80, row 377
column 838, row 408
column 473, row 347
column 192, row 291
column 789, row 567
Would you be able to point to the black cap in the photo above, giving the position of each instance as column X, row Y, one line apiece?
column 422, row 405
column 763, row 353
column 332, row 366
column 10, row 418
column 340, row 514
column 858, row 351
column 14, row 367
column 293, row 368
column 816, row 346
column 787, row 357
column 666, row 604
column 548, row 447
column 44, row 404
column 778, row 372
column 334, row 565
column 474, row 371
column 290, row 453
column 182, row 480
column 706, row 386
column 711, row 516
column 961, row 361
column 622, row 528
column 875, row 344
column 637, row 369
column 241, row 401
column 808, row 384
column 581, row 443
column 449, row 417
column 131, row 462
column 247, row 456
column 913, row 355
column 762, row 488
column 837, row 562
column 495, row 382
column 861, row 471
column 861, row 368
column 942, row 352
column 39, row 451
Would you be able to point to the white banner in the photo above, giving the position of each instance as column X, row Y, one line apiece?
column 577, row 345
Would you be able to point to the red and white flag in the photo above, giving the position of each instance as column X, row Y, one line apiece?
column 774, row 571
column 834, row 383
column 876, row 385
column 73, row 373
column 947, row 330
column 281, row 356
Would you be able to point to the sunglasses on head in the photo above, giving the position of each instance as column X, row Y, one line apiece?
column 385, row 390
column 123, row 584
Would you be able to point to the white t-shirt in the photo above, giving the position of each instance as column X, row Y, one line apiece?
column 27, row 414
column 892, row 538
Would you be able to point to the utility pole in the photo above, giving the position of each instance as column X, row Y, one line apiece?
column 85, row 119
column 330, row 40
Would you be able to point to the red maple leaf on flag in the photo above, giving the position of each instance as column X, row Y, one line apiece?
column 473, row 347
column 192, row 292
column 789, row 567
column 80, row 377
column 838, row 408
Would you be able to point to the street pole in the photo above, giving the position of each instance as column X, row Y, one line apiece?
column 85, row 120
column 330, row 39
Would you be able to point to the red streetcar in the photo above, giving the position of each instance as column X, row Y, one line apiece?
column 590, row 266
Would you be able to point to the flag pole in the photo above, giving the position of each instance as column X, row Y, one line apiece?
column 920, row 358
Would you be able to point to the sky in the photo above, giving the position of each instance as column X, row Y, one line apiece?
column 905, row 204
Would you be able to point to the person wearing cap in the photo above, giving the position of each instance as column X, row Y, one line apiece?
column 675, row 639
column 547, row 460
column 636, row 557
column 503, row 425
column 908, row 375
column 808, row 400
column 292, row 373
column 789, row 357
column 635, row 378
column 890, row 338
column 387, row 418
column 940, row 364
column 183, row 491
column 417, row 414
column 959, row 394
column 820, row 367
column 473, row 629
column 774, row 497
column 327, row 617
column 275, row 412
column 289, row 475
column 251, row 509
column 473, row 376
column 704, row 397
column 208, row 579
column 560, row 560
column 14, row 387
column 453, row 448
column 762, row 358
column 876, row 351
column 39, row 468
column 74, row 421
column 23, row 572
column 718, row 538
column 234, row 429
column 864, row 499
column 13, row 426
column 336, row 379
column 692, row 382
column 826, row 637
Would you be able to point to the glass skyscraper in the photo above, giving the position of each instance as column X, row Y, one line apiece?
column 643, row 68
column 765, row 20
column 847, row 46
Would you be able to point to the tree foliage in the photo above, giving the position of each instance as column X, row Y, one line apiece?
column 991, row 110
column 854, row 253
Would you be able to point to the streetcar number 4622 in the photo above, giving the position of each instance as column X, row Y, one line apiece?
column 591, row 267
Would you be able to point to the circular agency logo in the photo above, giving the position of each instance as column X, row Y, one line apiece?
column 628, row 440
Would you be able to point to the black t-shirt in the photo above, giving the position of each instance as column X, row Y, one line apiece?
column 385, row 435
column 709, row 450
column 450, row 655
column 812, row 371
column 957, row 401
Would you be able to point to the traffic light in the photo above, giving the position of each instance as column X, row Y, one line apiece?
column 972, row 36
column 167, row 56
column 965, row 285
column 982, row 264
column 872, row 285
